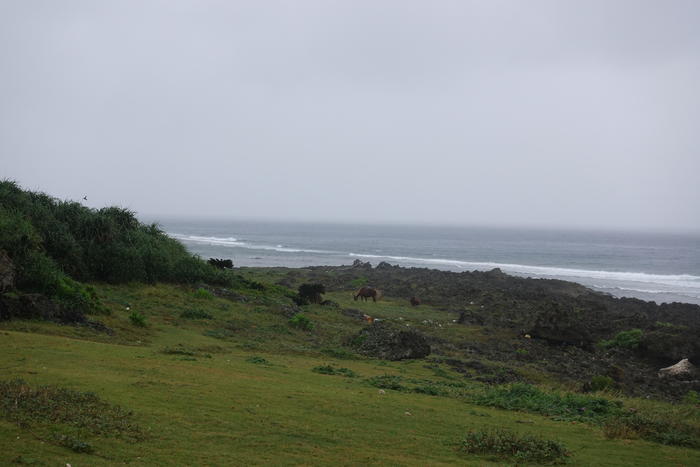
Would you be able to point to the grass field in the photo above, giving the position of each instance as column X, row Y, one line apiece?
column 213, row 381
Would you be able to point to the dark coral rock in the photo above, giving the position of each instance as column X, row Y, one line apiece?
column 381, row 340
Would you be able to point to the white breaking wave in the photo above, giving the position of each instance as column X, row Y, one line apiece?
column 234, row 242
column 684, row 284
column 675, row 280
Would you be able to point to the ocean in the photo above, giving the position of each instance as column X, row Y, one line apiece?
column 657, row 267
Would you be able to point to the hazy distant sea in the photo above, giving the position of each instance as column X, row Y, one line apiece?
column 658, row 267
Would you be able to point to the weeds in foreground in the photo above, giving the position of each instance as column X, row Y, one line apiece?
column 507, row 445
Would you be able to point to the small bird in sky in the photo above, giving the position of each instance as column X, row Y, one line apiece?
column 85, row 198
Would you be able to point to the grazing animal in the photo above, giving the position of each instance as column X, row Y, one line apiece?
column 415, row 301
column 367, row 292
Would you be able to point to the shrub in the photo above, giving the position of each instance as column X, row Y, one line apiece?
column 339, row 353
column 506, row 444
column 601, row 383
column 219, row 333
column 73, row 444
column 302, row 322
column 46, row 405
column 137, row 319
column 311, row 293
column 203, row 293
column 359, row 282
column 657, row 428
column 257, row 360
column 330, row 370
column 568, row 406
column 430, row 390
column 692, row 398
column 196, row 314
column 179, row 351
column 624, row 340
column 387, row 382
column 55, row 245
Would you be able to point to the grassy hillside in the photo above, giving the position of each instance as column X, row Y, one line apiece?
column 118, row 346
column 238, row 386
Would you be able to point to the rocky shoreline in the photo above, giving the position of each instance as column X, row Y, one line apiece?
column 559, row 327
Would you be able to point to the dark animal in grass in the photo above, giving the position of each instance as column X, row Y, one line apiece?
column 221, row 263
column 367, row 292
column 415, row 301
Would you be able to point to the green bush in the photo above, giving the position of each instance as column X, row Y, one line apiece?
column 602, row 383
column 28, row 405
column 507, row 445
column 692, row 398
column 196, row 314
column 339, row 353
column 430, row 390
column 203, row 293
column 137, row 319
column 568, row 406
column 330, row 370
column 55, row 245
column 179, row 350
column 624, row 340
column 73, row 444
column 257, row 360
column 302, row 322
column 359, row 282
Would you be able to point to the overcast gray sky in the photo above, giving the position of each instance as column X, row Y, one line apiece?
column 568, row 113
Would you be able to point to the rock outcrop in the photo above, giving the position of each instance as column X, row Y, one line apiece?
column 683, row 370
column 382, row 340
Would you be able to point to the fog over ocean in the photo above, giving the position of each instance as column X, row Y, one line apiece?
column 658, row 267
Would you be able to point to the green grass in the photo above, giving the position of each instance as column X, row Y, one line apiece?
column 256, row 399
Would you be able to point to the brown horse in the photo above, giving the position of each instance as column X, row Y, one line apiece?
column 415, row 301
column 366, row 292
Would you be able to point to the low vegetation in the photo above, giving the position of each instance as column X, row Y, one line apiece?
column 624, row 340
column 511, row 446
column 566, row 407
column 43, row 406
column 196, row 314
column 331, row 370
column 302, row 322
